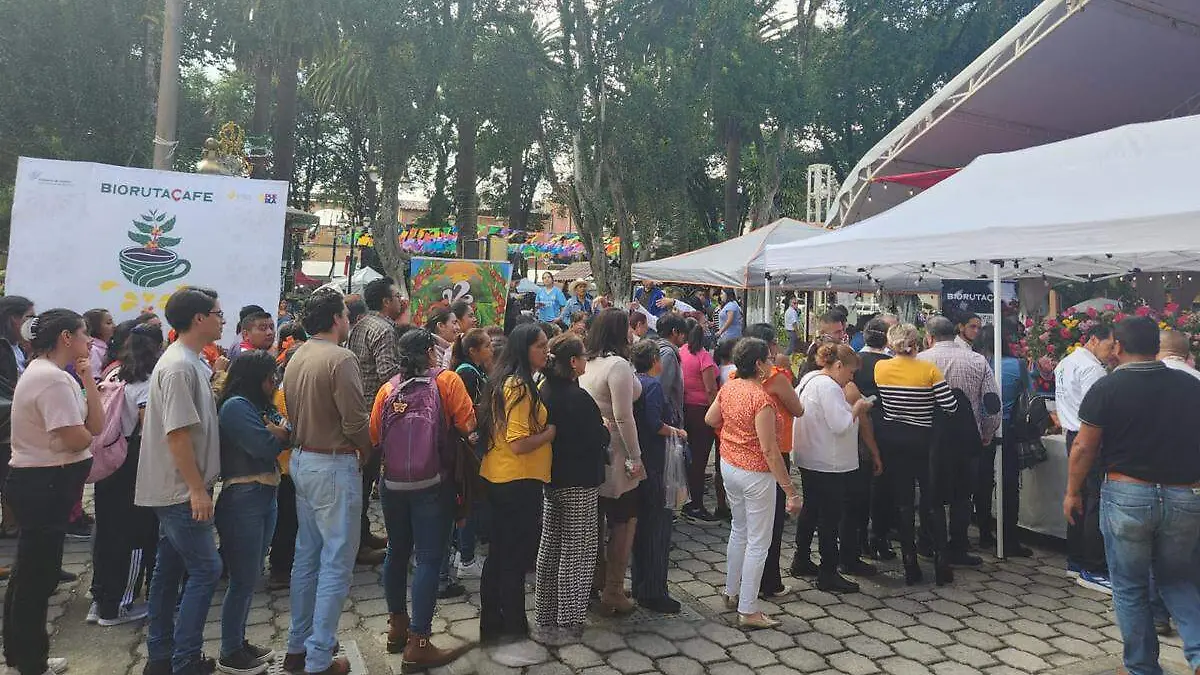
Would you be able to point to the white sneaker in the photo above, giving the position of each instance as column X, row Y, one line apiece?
column 127, row 614
column 471, row 571
column 56, row 666
column 93, row 616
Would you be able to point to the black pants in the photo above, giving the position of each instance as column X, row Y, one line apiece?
column 986, row 484
column 772, row 579
column 1085, row 544
column 906, row 461
column 514, row 544
column 857, row 512
column 824, row 504
column 41, row 499
column 370, row 474
column 125, row 541
column 883, row 505
column 283, row 542
column 651, row 540
column 958, row 496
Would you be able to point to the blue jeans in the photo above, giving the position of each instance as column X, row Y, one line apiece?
column 329, row 496
column 245, row 518
column 184, row 545
column 417, row 522
column 1152, row 527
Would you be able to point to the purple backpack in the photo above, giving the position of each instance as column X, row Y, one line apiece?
column 413, row 433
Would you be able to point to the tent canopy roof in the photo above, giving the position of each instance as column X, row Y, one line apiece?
column 739, row 263
column 1095, row 206
column 1070, row 68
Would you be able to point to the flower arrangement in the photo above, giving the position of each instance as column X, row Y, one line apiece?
column 1049, row 340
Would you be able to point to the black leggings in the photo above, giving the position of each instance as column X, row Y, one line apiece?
column 283, row 542
column 125, row 542
column 516, row 530
column 906, row 461
column 857, row 515
column 824, row 502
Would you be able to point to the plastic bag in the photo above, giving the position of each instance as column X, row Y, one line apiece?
column 675, row 479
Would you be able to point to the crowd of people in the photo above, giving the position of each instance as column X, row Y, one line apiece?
column 549, row 439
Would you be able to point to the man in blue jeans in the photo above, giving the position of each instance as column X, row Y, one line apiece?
column 1140, row 425
column 323, row 390
column 179, row 463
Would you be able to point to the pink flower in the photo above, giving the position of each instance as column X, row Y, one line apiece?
column 1142, row 311
column 1171, row 308
column 1109, row 307
column 1120, row 316
column 1065, row 334
column 1028, row 322
column 1092, row 312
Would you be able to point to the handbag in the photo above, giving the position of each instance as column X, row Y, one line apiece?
column 1029, row 420
column 1030, row 453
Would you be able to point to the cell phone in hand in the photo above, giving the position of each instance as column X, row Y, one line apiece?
column 872, row 398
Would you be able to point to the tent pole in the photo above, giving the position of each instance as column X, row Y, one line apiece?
column 767, row 313
column 996, row 365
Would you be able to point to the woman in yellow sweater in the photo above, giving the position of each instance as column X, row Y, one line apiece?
column 515, row 467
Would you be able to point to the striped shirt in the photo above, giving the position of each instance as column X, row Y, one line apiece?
column 910, row 389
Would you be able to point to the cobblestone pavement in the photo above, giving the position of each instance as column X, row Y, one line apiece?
column 1016, row 616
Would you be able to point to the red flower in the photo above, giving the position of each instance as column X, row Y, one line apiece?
column 1119, row 317
column 1092, row 312
column 1142, row 311
column 1066, row 334
column 1109, row 307
column 1028, row 322
column 1171, row 308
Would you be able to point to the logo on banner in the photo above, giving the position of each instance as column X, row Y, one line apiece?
column 271, row 198
column 153, row 263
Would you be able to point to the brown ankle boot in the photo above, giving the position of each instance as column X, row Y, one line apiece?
column 340, row 666
column 420, row 654
column 613, row 599
column 397, row 637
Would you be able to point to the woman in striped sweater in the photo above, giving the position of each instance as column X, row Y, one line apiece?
column 909, row 393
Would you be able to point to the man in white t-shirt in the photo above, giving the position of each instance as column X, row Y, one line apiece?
column 1073, row 377
column 791, row 324
column 1174, row 350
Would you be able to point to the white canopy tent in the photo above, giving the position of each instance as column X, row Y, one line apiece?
column 1070, row 68
column 1112, row 203
column 740, row 263
column 1108, row 204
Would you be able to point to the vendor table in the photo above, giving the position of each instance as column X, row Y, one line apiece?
column 1042, row 490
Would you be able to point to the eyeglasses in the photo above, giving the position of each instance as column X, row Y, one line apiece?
column 216, row 312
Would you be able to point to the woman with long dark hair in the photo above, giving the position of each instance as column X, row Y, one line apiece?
column 613, row 384
column 253, row 434
column 472, row 358
column 567, row 554
column 730, row 318
column 126, row 536
column 516, row 467
column 52, row 427
column 418, row 517
column 699, row 390
column 443, row 325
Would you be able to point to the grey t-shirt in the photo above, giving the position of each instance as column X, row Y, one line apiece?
column 180, row 397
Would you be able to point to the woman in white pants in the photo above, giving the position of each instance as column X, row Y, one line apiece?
column 751, row 466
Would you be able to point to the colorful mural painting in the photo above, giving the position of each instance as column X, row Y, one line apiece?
column 443, row 241
column 440, row 282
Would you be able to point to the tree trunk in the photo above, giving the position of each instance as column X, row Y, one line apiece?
column 770, row 178
column 383, row 228
column 465, row 196
column 516, row 184
column 285, row 119
column 733, row 170
column 620, row 285
column 260, row 122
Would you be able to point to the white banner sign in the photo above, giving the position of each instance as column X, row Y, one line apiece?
column 91, row 235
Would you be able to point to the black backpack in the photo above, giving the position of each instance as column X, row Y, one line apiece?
column 1029, row 418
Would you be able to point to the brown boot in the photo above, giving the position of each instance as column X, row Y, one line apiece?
column 613, row 599
column 397, row 637
column 370, row 556
column 340, row 666
column 420, row 654
column 294, row 663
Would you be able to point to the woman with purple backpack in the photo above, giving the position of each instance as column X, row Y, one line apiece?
column 418, row 511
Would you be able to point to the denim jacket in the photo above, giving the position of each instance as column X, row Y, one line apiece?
column 247, row 447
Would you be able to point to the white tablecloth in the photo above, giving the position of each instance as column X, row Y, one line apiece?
column 1042, row 490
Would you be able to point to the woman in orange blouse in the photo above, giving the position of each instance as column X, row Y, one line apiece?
column 752, row 466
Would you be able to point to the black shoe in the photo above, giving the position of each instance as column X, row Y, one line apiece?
column 452, row 590
column 263, row 654
column 803, row 567
column 859, row 568
column 925, row 551
column 201, row 666
column 79, row 530
column 881, row 549
column 241, row 662
column 157, row 667
column 65, row 576
column 912, row 570
column 663, row 605
column 961, row 559
column 699, row 514
column 723, row 513
column 832, row 582
column 275, row 583
column 1017, row 551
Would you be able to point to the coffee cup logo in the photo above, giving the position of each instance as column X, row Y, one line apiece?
column 153, row 263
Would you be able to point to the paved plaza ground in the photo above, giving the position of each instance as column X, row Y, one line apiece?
column 1015, row 616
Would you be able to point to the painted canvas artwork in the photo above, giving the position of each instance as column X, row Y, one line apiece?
column 440, row 282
